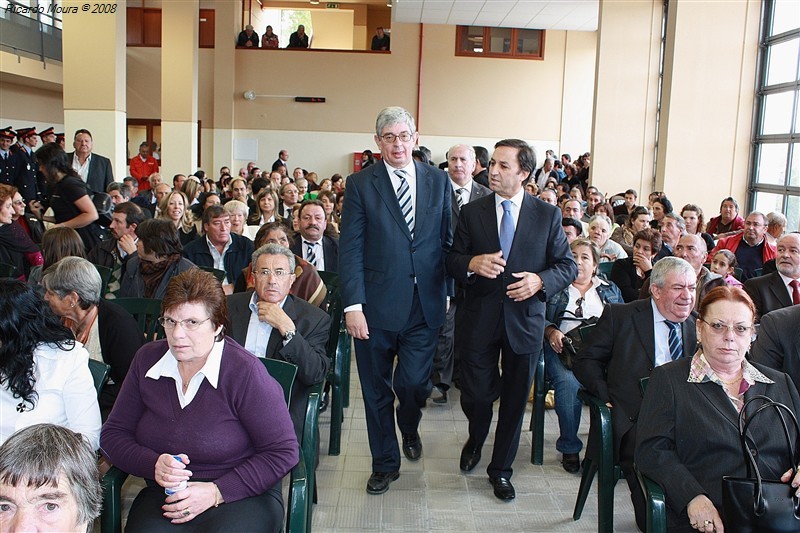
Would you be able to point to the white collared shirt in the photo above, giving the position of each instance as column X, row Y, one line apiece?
column 167, row 367
column 82, row 170
column 516, row 204
column 219, row 258
column 661, row 334
column 592, row 304
column 786, row 281
column 258, row 332
column 319, row 262
column 411, row 178
column 465, row 195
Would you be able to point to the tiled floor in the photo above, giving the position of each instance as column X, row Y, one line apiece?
column 433, row 495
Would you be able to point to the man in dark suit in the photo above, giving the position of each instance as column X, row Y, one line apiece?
column 545, row 173
column 782, row 288
column 395, row 234
column 460, row 165
column 7, row 169
column 283, row 157
column 778, row 342
column 510, row 252
column 630, row 340
column 314, row 246
column 481, row 172
column 95, row 170
column 271, row 323
column 27, row 178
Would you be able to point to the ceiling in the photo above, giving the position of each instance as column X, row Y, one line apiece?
column 580, row 15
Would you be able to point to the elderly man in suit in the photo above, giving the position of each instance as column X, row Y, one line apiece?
column 314, row 246
column 510, row 253
column 778, row 342
column 269, row 322
column 782, row 288
column 630, row 340
column 95, row 170
column 395, row 234
column 460, row 166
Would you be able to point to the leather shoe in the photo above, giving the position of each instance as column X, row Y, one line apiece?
column 438, row 394
column 323, row 402
column 379, row 482
column 503, row 488
column 470, row 456
column 571, row 462
column 412, row 446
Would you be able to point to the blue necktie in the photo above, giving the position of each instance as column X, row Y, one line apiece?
column 506, row 229
column 675, row 343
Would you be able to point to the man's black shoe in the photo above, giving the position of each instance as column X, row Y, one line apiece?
column 470, row 456
column 503, row 488
column 379, row 482
column 571, row 462
column 323, row 402
column 412, row 446
column 439, row 394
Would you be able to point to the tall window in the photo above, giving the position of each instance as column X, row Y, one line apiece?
column 776, row 163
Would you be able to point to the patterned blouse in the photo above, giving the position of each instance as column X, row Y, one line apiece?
column 701, row 372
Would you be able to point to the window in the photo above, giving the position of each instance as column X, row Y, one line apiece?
column 499, row 42
column 775, row 172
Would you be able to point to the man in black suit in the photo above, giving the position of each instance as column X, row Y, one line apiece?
column 27, row 179
column 629, row 341
column 289, row 198
column 778, row 342
column 95, row 170
column 782, row 288
column 510, row 252
column 314, row 246
column 481, row 172
column 395, row 234
column 283, row 157
column 460, row 166
column 545, row 173
column 269, row 322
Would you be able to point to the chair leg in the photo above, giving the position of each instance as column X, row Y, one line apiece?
column 589, row 471
column 336, row 408
column 606, row 481
column 537, row 416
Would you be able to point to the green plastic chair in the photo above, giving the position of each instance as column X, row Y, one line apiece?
column 219, row 274
column 6, row 271
column 604, row 269
column 100, row 372
column 146, row 312
column 105, row 277
column 653, row 493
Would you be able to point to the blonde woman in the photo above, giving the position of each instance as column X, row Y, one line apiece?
column 174, row 208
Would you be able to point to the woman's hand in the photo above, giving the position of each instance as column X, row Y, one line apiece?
column 644, row 263
column 195, row 499
column 795, row 482
column 556, row 339
column 703, row 516
column 170, row 472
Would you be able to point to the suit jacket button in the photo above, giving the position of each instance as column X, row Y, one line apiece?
column 413, row 250
column 650, row 369
column 632, row 419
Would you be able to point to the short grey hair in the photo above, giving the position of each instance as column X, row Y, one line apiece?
column 274, row 249
column 124, row 189
column 394, row 115
column 667, row 265
column 678, row 220
column 75, row 274
column 470, row 150
column 603, row 218
column 776, row 219
column 42, row 454
column 764, row 218
column 236, row 206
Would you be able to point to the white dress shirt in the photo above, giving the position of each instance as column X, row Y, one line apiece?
column 516, row 204
column 411, row 178
column 258, row 332
column 319, row 254
column 465, row 195
column 661, row 331
column 167, row 367
column 219, row 258
column 82, row 170
column 786, row 281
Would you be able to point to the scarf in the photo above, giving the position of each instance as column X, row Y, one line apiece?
column 153, row 273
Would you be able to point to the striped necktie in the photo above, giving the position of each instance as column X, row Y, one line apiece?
column 311, row 257
column 459, row 198
column 675, row 343
column 404, row 198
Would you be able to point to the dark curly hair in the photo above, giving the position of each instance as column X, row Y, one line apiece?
column 26, row 321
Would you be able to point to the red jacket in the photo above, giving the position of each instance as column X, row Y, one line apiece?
column 732, row 243
column 141, row 170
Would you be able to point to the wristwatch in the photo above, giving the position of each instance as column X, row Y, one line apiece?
column 289, row 335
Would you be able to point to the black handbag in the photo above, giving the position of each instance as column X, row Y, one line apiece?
column 574, row 340
column 753, row 504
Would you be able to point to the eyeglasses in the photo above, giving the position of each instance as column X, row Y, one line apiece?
column 18, row 202
column 718, row 328
column 579, row 307
column 265, row 273
column 389, row 138
column 190, row 324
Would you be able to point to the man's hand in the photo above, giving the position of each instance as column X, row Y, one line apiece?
column 127, row 243
column 35, row 207
column 356, row 325
column 528, row 285
column 275, row 316
column 487, row 265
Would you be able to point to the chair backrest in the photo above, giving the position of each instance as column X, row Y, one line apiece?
column 283, row 372
column 99, row 374
column 219, row 274
column 105, row 277
column 146, row 312
column 604, row 269
column 6, row 271
column 335, row 309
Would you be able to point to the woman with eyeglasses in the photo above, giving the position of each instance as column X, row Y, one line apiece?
column 196, row 407
column 688, row 435
column 567, row 310
column 16, row 247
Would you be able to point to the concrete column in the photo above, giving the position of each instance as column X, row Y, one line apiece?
column 179, row 67
column 227, row 23
column 94, row 80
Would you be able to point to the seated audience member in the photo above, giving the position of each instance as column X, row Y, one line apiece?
column 750, row 247
column 50, row 466
column 289, row 200
column 238, row 212
column 637, row 220
column 778, row 343
column 781, row 288
column 269, row 39
column 148, row 200
column 696, row 225
column 661, row 207
column 107, row 331
column 574, row 209
column 672, row 227
column 119, row 193
column 572, row 228
column 16, row 247
column 380, row 41
column 629, row 341
column 708, row 390
column 270, row 322
column 174, row 208
column 193, row 190
column 298, row 39
column 724, row 264
column 604, row 208
column 179, row 179
column 266, row 212
column 247, row 38
column 57, row 243
column 115, row 252
column 627, row 207
column 314, row 246
column 204, row 201
column 220, row 248
column 31, row 225
column 631, row 273
column 328, row 201
column 599, row 233
column 776, row 225
column 45, row 373
column 728, row 222
column 302, row 188
column 595, row 198
column 548, row 196
column 238, row 188
column 584, row 298
column 307, row 284
column 198, row 407
column 158, row 259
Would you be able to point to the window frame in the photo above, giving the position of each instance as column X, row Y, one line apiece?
column 513, row 54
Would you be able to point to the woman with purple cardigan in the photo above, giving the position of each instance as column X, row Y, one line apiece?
column 199, row 408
